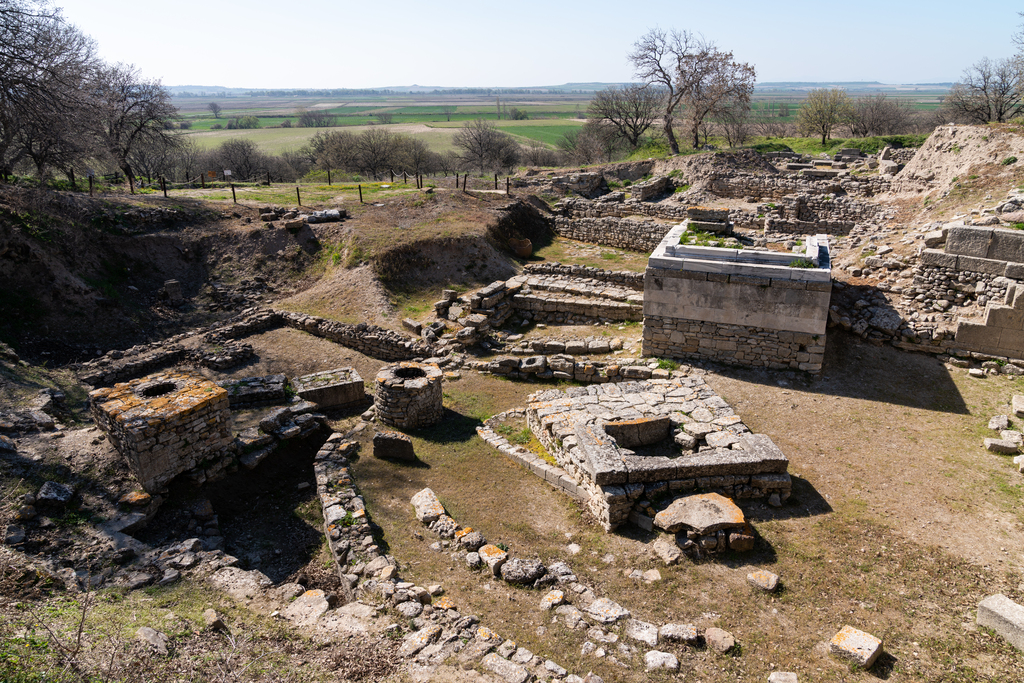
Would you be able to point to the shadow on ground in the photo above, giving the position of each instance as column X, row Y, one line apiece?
column 857, row 369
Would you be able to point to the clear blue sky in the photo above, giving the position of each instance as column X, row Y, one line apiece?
column 455, row 43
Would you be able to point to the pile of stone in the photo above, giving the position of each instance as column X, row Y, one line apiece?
column 562, row 366
column 703, row 523
column 296, row 218
column 1010, row 441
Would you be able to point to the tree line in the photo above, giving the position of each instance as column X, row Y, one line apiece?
column 62, row 108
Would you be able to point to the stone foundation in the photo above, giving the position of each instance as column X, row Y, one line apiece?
column 739, row 344
column 408, row 395
column 164, row 424
column 703, row 446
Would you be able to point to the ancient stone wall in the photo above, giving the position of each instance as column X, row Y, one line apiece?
column 1002, row 332
column 761, row 186
column 621, row 233
column 670, row 337
column 370, row 340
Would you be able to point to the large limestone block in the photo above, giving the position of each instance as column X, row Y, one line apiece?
column 705, row 513
column 428, row 507
column 1003, row 616
column 968, row 241
column 856, row 646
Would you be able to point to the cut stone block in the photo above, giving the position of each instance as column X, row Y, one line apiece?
column 493, row 557
column 1017, row 406
column 679, row 633
column 1003, row 616
column 661, row 661
column 393, row 446
column 782, row 677
column 763, row 579
column 1001, row 446
column 332, row 388
column 606, row 611
column 856, row 646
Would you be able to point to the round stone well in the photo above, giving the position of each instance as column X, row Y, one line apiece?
column 408, row 395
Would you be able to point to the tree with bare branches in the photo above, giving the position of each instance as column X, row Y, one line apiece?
column 695, row 76
column 631, row 110
column 215, row 109
column 990, row 90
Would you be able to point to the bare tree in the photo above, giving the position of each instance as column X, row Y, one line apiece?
column 385, row 117
column 656, row 57
column 694, row 74
column 485, row 147
column 448, row 110
column 215, row 109
column 334, row 149
column 243, row 158
column 766, row 119
column 734, row 123
column 990, row 90
column 631, row 110
column 317, row 119
column 43, row 63
column 823, row 110
column 593, row 143
column 376, row 150
column 879, row 115
column 130, row 112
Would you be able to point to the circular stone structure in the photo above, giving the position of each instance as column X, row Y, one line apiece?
column 408, row 395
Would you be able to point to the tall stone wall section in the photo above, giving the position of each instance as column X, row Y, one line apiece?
column 807, row 214
column 370, row 340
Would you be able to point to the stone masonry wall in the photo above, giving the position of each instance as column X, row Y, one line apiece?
column 744, row 345
column 761, row 186
column 621, row 233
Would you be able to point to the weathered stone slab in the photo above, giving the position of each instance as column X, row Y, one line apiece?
column 332, row 388
column 719, row 640
column 393, row 446
column 1001, row 446
column 679, row 633
column 655, row 660
column 643, row 632
column 1003, row 616
column 1017, row 406
column 493, row 557
column 509, row 671
column 704, row 513
column 856, row 646
column 307, row 608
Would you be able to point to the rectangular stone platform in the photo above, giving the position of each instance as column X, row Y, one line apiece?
column 613, row 478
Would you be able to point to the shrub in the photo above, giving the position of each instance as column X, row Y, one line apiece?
column 1009, row 160
column 801, row 263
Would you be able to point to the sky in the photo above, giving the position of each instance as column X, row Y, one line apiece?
column 523, row 43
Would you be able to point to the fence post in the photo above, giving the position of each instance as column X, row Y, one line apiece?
column 202, row 180
column 298, row 196
column 405, row 178
column 508, row 186
column 233, row 197
column 328, row 176
column 392, row 178
column 464, row 179
column 495, row 181
column 268, row 178
column 90, row 186
column 163, row 186
column 360, row 194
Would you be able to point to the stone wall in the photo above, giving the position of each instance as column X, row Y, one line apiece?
column 761, row 186
column 806, row 214
column 369, row 340
column 1002, row 332
column 621, row 233
column 164, row 424
column 669, row 337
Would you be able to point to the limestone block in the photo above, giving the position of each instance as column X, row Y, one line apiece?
column 1006, row 245
column 704, row 513
column 1003, row 616
column 428, row 507
column 1017, row 405
column 856, row 646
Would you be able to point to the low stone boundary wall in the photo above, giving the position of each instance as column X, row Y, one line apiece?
column 740, row 185
column 620, row 277
column 565, row 367
column 369, row 340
